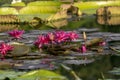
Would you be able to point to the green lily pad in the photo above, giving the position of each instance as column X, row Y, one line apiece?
column 8, row 10
column 41, row 75
column 9, row 74
column 20, row 49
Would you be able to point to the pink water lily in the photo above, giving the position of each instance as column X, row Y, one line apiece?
column 17, row 34
column 73, row 35
column 54, row 38
column 61, row 36
column 103, row 43
column 51, row 37
column 4, row 48
column 83, row 48
column 41, row 41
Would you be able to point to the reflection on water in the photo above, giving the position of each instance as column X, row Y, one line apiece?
column 111, row 20
column 58, row 24
column 7, row 27
column 95, row 70
column 106, row 24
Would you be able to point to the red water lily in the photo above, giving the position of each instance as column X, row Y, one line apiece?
column 41, row 41
column 17, row 34
column 4, row 48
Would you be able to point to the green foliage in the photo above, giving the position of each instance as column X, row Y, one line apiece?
column 32, row 75
column 8, row 10
column 18, row 4
column 44, row 3
column 38, row 9
column 10, row 74
column 28, row 18
column 41, row 75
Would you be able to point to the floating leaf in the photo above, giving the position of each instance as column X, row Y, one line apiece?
column 10, row 74
column 8, row 10
column 41, row 75
column 44, row 3
column 20, row 49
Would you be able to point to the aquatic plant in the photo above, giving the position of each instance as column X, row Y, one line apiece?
column 83, row 48
column 4, row 48
column 103, row 43
column 44, row 3
column 58, row 42
column 17, row 34
column 56, row 37
column 8, row 10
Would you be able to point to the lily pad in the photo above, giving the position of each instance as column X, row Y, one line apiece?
column 9, row 74
column 20, row 49
column 41, row 75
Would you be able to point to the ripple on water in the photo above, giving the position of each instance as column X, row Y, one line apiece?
column 78, row 62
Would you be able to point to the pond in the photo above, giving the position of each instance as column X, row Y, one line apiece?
column 91, row 66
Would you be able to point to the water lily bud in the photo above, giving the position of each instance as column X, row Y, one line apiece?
column 83, row 48
column 103, row 43
column 84, row 36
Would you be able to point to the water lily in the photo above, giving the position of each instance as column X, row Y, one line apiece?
column 73, row 35
column 41, row 41
column 83, row 48
column 17, row 34
column 54, row 39
column 51, row 37
column 60, row 36
column 103, row 43
column 4, row 48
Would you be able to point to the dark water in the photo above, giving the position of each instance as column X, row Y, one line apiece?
column 94, row 27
